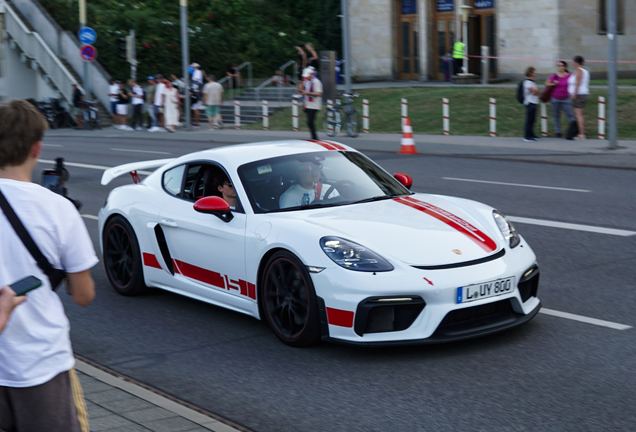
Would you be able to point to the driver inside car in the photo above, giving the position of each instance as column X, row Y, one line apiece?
column 308, row 183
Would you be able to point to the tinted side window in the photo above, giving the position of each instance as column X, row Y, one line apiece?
column 172, row 180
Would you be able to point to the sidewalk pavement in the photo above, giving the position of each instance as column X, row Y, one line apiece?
column 117, row 405
column 590, row 152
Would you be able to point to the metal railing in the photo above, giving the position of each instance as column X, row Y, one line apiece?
column 34, row 48
column 249, row 72
column 269, row 81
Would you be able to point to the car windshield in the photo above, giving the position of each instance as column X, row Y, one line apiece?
column 314, row 180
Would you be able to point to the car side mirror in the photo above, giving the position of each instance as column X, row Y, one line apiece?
column 214, row 205
column 405, row 179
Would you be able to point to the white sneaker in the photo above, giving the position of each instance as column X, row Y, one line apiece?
column 120, row 127
column 139, row 128
column 153, row 129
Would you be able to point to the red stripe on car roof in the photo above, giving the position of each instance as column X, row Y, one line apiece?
column 335, row 144
column 324, row 144
column 473, row 233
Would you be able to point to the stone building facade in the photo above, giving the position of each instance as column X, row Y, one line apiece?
column 408, row 39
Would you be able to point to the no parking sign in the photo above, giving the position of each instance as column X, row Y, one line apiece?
column 88, row 53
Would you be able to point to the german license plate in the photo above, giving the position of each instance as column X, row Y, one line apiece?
column 486, row 289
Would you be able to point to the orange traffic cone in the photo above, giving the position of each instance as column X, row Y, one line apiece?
column 407, row 145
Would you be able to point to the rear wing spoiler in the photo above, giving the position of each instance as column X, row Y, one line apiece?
column 132, row 168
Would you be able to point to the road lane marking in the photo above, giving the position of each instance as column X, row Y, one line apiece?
column 587, row 320
column 141, row 151
column 87, row 216
column 571, row 226
column 516, row 184
column 89, row 166
column 52, row 145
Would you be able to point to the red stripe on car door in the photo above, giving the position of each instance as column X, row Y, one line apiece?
column 202, row 275
column 151, row 261
column 473, row 233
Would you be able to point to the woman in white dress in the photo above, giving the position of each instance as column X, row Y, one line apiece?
column 171, row 111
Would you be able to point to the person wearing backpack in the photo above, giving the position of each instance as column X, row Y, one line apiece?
column 530, row 100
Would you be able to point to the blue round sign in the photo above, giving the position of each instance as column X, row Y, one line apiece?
column 87, row 36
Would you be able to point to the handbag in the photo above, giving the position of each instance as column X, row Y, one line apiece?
column 56, row 276
column 546, row 94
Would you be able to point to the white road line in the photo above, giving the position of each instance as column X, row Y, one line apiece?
column 52, row 145
column 87, row 216
column 587, row 320
column 141, row 151
column 78, row 165
column 571, row 226
column 516, row 184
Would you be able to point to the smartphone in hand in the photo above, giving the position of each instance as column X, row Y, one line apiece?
column 25, row 285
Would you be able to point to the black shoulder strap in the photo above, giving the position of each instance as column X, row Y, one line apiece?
column 26, row 238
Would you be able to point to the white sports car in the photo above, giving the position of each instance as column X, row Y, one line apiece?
column 321, row 242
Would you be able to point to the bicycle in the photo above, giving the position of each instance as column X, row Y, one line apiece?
column 352, row 120
column 91, row 115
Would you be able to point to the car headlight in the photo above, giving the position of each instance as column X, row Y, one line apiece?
column 507, row 228
column 353, row 256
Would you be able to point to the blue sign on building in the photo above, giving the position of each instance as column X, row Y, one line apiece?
column 87, row 36
column 445, row 5
column 409, row 7
column 484, row 4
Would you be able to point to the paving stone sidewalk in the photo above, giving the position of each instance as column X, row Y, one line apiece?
column 116, row 405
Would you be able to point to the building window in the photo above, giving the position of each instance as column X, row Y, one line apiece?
column 602, row 17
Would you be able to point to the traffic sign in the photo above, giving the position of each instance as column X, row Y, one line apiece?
column 88, row 53
column 87, row 36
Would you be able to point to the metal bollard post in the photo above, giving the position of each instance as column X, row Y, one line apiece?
column 493, row 117
column 544, row 120
column 446, row 116
column 237, row 115
column 295, row 115
column 484, row 64
column 330, row 115
column 365, row 115
column 265, row 116
column 601, row 117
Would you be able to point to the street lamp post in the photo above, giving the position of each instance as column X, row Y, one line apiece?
column 185, row 59
column 346, row 48
column 82, row 23
column 465, row 10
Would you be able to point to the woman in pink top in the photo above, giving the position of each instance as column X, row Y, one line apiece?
column 560, row 98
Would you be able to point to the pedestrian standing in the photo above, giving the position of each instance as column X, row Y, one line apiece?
column 560, row 99
column 312, row 56
column 458, row 55
column 159, row 101
column 137, row 96
column 39, row 390
column 122, row 107
column 150, row 107
column 530, row 100
column 113, row 94
column 234, row 77
column 171, row 106
column 312, row 91
column 78, row 106
column 579, row 89
column 213, row 99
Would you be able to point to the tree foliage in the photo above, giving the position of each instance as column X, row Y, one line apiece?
column 220, row 32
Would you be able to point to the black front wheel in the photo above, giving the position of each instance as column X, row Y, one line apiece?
column 122, row 258
column 289, row 300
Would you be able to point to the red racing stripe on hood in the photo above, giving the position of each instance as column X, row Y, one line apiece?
column 473, row 233
column 329, row 145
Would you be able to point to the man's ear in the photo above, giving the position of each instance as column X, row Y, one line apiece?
column 36, row 150
column 219, row 188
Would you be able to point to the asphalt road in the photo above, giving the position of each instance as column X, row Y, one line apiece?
column 553, row 374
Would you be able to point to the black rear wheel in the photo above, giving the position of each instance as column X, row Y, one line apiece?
column 289, row 301
column 122, row 258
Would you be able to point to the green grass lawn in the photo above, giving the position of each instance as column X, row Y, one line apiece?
column 620, row 82
column 469, row 112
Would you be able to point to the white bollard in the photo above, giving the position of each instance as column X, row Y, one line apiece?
column 265, row 116
column 405, row 110
column 330, row 115
column 365, row 116
column 237, row 115
column 446, row 115
column 544, row 120
column 493, row 117
column 601, row 117
column 295, row 115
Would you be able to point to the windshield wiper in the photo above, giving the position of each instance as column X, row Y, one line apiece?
column 375, row 198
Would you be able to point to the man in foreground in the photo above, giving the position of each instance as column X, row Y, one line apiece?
column 312, row 91
column 36, row 358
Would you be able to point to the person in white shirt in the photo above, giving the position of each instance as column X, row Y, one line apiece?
column 530, row 100
column 579, row 90
column 312, row 91
column 36, row 359
column 159, row 103
column 308, row 184
column 213, row 99
column 113, row 93
column 137, row 95
column 8, row 302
